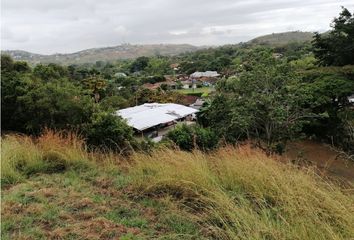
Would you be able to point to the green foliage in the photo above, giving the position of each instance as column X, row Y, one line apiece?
column 139, row 64
column 337, row 47
column 29, row 103
column 113, row 103
column 154, row 79
column 190, row 137
column 158, row 66
column 109, row 131
column 49, row 72
column 267, row 102
column 96, row 85
column 330, row 90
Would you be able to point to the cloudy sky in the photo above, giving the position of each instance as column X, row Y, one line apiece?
column 50, row 26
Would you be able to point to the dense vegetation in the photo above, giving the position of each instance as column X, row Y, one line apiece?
column 268, row 94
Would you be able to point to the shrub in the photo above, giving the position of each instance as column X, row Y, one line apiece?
column 189, row 137
column 108, row 131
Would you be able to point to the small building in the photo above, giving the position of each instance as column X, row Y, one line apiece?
column 187, row 84
column 351, row 99
column 207, row 78
column 197, row 104
column 206, row 74
column 154, row 120
column 120, row 75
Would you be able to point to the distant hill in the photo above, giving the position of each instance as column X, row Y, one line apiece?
column 130, row 51
column 125, row 51
column 277, row 39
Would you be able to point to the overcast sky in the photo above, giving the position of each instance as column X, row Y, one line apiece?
column 49, row 26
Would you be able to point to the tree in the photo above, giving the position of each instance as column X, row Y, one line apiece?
column 139, row 64
column 337, row 47
column 96, row 85
column 189, row 137
column 158, row 66
column 266, row 103
column 109, row 131
column 49, row 72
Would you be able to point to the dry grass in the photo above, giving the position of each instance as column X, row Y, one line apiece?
column 234, row 193
column 243, row 194
column 23, row 156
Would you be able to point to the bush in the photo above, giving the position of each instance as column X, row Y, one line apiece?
column 189, row 137
column 108, row 131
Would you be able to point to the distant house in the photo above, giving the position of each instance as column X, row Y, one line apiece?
column 197, row 104
column 277, row 55
column 120, row 75
column 351, row 98
column 154, row 120
column 153, row 86
column 207, row 78
column 186, row 84
column 175, row 66
column 207, row 74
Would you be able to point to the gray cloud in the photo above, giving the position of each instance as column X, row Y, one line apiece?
column 45, row 26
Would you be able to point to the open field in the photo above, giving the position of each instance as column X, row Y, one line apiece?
column 53, row 188
column 204, row 90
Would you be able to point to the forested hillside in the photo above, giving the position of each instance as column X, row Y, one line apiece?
column 125, row 51
column 130, row 51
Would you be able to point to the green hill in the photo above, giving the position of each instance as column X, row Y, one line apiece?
column 125, row 51
column 276, row 39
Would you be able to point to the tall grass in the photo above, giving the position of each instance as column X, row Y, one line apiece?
column 243, row 194
column 22, row 156
column 234, row 193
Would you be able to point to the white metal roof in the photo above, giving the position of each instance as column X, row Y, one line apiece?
column 205, row 74
column 152, row 114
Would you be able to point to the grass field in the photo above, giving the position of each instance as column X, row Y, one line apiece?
column 204, row 90
column 52, row 188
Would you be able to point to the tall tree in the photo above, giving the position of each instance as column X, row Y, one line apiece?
column 337, row 47
column 266, row 103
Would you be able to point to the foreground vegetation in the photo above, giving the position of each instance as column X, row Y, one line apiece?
column 54, row 188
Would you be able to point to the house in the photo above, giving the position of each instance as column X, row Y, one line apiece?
column 351, row 99
column 175, row 66
column 120, row 75
column 207, row 74
column 207, row 78
column 154, row 120
column 186, row 84
column 197, row 104
column 277, row 55
column 154, row 86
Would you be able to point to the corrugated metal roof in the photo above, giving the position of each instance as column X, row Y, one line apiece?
column 152, row 114
column 205, row 74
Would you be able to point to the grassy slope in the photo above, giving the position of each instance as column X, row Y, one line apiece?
column 52, row 188
column 205, row 90
column 279, row 39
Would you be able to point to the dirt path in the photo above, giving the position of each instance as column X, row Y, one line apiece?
column 325, row 158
